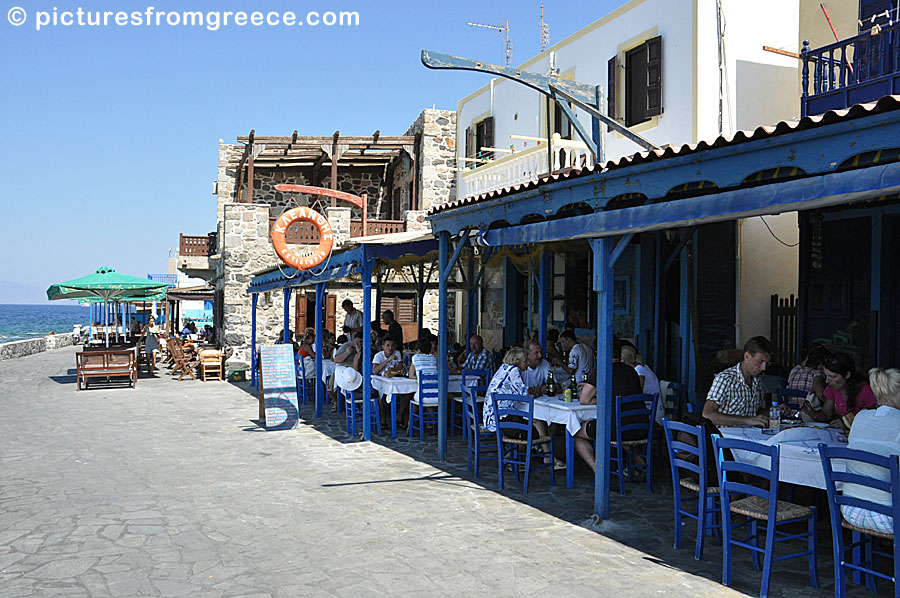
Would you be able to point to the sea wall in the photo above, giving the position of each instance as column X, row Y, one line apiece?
column 34, row 345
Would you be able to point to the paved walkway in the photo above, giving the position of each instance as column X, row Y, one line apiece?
column 170, row 490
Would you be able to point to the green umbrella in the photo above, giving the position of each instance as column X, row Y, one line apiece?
column 108, row 285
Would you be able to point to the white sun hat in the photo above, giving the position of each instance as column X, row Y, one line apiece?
column 347, row 378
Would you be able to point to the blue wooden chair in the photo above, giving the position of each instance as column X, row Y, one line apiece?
column 675, row 403
column 480, row 439
column 512, row 449
column 706, row 493
column 633, row 418
column 306, row 387
column 424, row 405
column 863, row 540
column 477, row 380
column 792, row 396
column 761, row 508
column 353, row 408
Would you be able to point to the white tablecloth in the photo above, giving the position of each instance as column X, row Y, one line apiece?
column 401, row 385
column 327, row 369
column 554, row 410
column 800, row 462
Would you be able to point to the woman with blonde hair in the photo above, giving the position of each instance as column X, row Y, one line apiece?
column 506, row 380
column 875, row 431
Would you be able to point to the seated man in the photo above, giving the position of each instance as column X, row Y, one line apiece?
column 735, row 397
column 538, row 368
column 581, row 357
column 479, row 358
column 625, row 381
column 386, row 358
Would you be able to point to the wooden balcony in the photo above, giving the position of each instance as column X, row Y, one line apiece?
column 854, row 70
column 195, row 246
column 304, row 233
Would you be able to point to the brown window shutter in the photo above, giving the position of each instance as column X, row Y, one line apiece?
column 406, row 310
column 469, row 153
column 611, row 71
column 488, row 135
column 654, row 76
column 330, row 308
column 300, row 313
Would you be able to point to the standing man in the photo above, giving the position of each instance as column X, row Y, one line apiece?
column 538, row 368
column 394, row 329
column 581, row 358
column 353, row 321
column 735, row 397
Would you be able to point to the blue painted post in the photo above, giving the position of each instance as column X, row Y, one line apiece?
column 804, row 84
column 544, row 283
column 287, row 315
column 472, row 298
column 367, row 343
column 659, row 334
column 875, row 326
column 684, row 322
column 320, row 330
column 253, row 298
column 443, row 373
column 603, row 284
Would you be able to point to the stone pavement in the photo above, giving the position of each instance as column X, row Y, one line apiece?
column 171, row 490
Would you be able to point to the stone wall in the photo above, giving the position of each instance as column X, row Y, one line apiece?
column 436, row 176
column 35, row 345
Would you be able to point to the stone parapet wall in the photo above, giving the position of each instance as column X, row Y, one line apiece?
column 32, row 346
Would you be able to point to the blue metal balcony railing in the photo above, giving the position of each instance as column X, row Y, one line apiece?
column 852, row 71
column 169, row 279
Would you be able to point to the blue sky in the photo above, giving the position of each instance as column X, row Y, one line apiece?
column 111, row 132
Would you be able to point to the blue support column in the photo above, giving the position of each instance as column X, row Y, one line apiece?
column 875, row 317
column 253, row 298
column 320, row 330
column 544, row 283
column 684, row 323
column 471, row 301
column 367, row 344
column 443, row 372
column 603, row 284
column 287, row 315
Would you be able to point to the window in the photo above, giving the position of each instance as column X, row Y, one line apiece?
column 483, row 136
column 561, row 123
column 642, row 80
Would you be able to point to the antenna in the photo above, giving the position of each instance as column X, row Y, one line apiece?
column 499, row 29
column 545, row 31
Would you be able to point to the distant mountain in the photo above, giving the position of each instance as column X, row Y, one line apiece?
column 16, row 292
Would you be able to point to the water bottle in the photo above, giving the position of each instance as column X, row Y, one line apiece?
column 775, row 417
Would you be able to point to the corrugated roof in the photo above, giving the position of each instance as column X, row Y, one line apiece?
column 884, row 104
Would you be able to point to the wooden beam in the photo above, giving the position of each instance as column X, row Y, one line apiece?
column 314, row 141
column 787, row 53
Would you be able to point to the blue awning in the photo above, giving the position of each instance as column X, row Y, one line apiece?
column 341, row 264
column 804, row 194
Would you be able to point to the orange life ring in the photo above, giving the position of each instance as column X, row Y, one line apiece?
column 326, row 238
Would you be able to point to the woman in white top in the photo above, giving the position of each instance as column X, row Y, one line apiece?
column 649, row 381
column 875, row 431
column 425, row 361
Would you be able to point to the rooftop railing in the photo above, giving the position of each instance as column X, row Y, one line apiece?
column 527, row 165
column 852, row 71
column 304, row 233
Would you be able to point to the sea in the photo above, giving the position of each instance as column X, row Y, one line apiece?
column 20, row 322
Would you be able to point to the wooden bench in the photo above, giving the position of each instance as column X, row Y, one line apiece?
column 105, row 364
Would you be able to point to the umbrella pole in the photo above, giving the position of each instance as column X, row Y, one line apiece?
column 106, row 322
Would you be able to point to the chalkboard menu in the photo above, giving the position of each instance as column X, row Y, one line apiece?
column 278, row 387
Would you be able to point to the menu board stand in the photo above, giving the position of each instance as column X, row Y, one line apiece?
column 278, row 407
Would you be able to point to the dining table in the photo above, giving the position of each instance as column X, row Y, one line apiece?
column 799, row 461
column 390, row 387
column 571, row 414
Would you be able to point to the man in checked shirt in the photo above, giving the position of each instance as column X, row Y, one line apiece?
column 735, row 397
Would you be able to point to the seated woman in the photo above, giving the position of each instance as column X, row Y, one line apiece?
column 875, row 431
column 847, row 393
column 425, row 361
column 506, row 380
column 307, row 347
